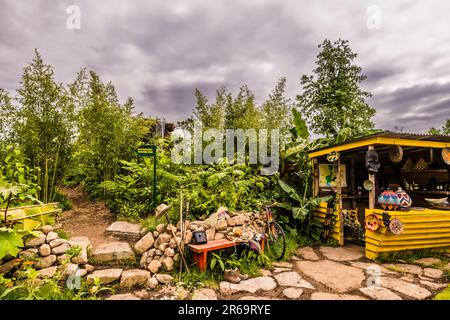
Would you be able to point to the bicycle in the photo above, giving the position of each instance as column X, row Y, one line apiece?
column 274, row 235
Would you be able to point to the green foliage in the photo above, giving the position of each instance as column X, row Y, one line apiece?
column 10, row 242
column 444, row 130
column 17, row 179
column 332, row 98
column 74, row 251
column 43, row 125
column 443, row 295
column 32, row 288
column 247, row 262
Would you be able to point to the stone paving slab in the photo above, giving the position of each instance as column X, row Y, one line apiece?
column 334, row 275
column 333, row 296
column 308, row 253
column 113, row 252
column 251, row 285
column 379, row 293
column 409, row 289
column 124, row 231
column 347, row 253
column 292, row 279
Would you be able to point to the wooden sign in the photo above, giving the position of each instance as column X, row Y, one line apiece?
column 146, row 151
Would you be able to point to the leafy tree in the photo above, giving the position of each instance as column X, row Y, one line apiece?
column 43, row 125
column 444, row 130
column 210, row 115
column 107, row 131
column 332, row 98
column 276, row 110
column 242, row 112
column 6, row 115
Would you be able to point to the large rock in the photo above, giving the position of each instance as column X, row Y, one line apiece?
column 379, row 293
column 347, row 253
column 47, row 272
column 28, row 254
column 154, row 266
column 204, row 294
column 405, row 268
column 61, row 249
column 45, row 250
column 7, row 266
column 152, row 283
column 372, row 268
column 51, row 236
column 167, row 263
column 45, row 262
column 307, row 253
column 292, row 293
column 145, row 243
column 105, row 276
column 336, row 276
column 82, row 257
column 164, row 278
column 427, row 261
column 123, row 296
column 433, row 273
column 113, row 252
column 35, row 241
column 81, row 241
column 57, row 242
column 333, row 296
column 409, row 289
column 135, row 277
column 432, row 285
column 124, row 230
column 292, row 279
column 46, row 229
column 251, row 285
column 164, row 238
column 160, row 228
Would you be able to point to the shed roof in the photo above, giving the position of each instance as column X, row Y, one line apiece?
column 387, row 138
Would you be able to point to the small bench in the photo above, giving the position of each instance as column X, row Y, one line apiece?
column 201, row 250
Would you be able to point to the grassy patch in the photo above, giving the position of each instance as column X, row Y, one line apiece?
column 62, row 234
column 443, row 295
column 412, row 256
column 150, row 223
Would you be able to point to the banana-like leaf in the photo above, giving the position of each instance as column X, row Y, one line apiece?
column 289, row 190
column 300, row 125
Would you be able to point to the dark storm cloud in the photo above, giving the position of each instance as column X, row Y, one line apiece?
column 159, row 52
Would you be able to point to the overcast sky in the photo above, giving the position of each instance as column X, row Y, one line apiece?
column 158, row 52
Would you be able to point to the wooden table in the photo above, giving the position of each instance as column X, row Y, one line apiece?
column 201, row 250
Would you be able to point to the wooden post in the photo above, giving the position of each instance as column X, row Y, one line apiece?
column 352, row 181
column 339, row 197
column 372, row 192
column 315, row 169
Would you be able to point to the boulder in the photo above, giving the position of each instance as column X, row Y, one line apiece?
column 46, row 229
column 292, row 293
column 154, row 266
column 188, row 237
column 45, row 250
column 167, row 263
column 152, row 282
column 145, row 243
column 88, row 267
column 82, row 257
column 45, row 262
column 210, row 234
column 57, row 242
column 61, row 249
column 113, row 252
column 155, row 234
column 123, row 296
column 164, row 238
column 47, row 272
column 105, row 276
column 51, row 236
column 28, row 254
column 81, row 241
column 143, row 260
column 64, row 258
column 169, row 252
column 35, row 241
column 164, row 278
column 8, row 266
column 219, row 236
column 221, row 225
column 160, row 228
column 124, row 230
column 135, row 277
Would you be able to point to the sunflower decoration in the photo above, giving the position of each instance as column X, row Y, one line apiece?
column 372, row 222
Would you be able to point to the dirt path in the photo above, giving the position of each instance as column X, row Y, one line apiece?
column 89, row 219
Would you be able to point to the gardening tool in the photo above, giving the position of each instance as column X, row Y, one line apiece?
column 160, row 210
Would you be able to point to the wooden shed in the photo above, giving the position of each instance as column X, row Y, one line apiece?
column 409, row 171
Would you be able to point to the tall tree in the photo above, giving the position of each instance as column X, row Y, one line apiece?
column 332, row 98
column 44, row 124
column 276, row 110
column 242, row 112
column 210, row 115
column 6, row 115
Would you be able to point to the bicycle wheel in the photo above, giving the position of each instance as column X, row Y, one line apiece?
column 276, row 240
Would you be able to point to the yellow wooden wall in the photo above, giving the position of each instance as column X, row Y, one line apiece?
column 319, row 215
column 428, row 229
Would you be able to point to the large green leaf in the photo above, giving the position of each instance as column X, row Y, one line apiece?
column 10, row 242
column 300, row 213
column 289, row 190
column 300, row 125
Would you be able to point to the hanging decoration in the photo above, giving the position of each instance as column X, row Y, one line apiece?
column 386, row 219
column 368, row 185
column 333, row 156
column 396, row 154
column 372, row 161
column 372, row 222
column 446, row 155
column 396, row 226
column 421, row 164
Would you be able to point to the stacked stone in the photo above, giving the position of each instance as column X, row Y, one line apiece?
column 158, row 249
column 228, row 224
column 48, row 253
